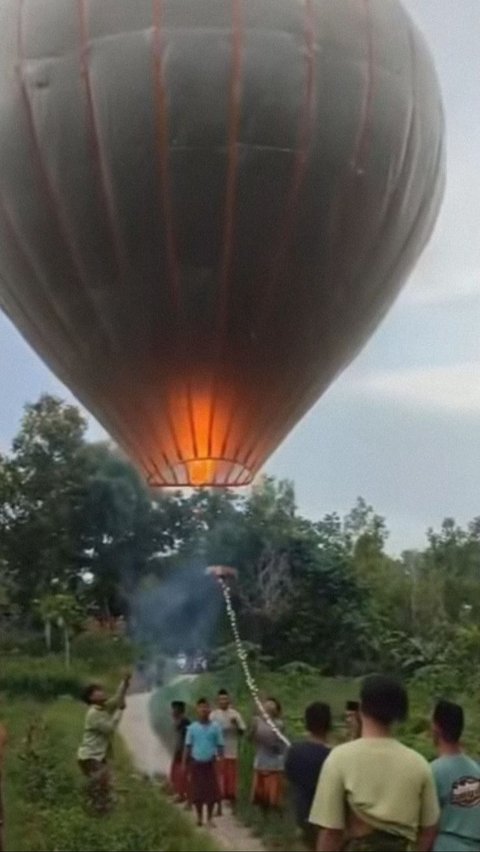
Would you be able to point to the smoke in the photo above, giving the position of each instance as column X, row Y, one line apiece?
column 180, row 612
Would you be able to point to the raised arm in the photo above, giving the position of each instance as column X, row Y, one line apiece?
column 117, row 702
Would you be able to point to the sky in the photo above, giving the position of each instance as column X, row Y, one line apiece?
column 401, row 426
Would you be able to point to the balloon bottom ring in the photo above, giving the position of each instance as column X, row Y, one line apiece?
column 195, row 472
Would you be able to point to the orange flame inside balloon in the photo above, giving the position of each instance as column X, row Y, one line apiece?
column 201, row 471
column 204, row 447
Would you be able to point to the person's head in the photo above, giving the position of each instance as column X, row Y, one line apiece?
column 273, row 708
column 95, row 694
column 447, row 723
column 223, row 699
column 318, row 719
column 203, row 710
column 178, row 709
column 383, row 700
column 352, row 719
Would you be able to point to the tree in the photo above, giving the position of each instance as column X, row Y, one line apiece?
column 47, row 479
column 63, row 611
column 127, row 529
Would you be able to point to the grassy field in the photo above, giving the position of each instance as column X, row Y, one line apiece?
column 296, row 688
column 45, row 802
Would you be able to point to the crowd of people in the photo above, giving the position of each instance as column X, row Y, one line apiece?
column 369, row 794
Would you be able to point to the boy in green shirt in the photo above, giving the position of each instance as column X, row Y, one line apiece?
column 102, row 720
column 375, row 793
column 457, row 778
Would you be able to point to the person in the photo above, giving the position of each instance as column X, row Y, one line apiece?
column 203, row 745
column 233, row 728
column 3, row 743
column 304, row 763
column 181, row 661
column 179, row 772
column 352, row 720
column 269, row 764
column 375, row 793
column 457, row 778
column 102, row 719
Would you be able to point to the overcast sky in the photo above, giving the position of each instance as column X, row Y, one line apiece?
column 402, row 426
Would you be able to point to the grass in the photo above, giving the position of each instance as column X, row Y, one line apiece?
column 45, row 804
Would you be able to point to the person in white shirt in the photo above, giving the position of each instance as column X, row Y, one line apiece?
column 233, row 728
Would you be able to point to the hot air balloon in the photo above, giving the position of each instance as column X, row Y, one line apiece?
column 207, row 206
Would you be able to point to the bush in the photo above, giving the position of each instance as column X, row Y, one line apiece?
column 42, row 679
column 101, row 652
column 226, row 656
column 38, row 765
column 15, row 640
column 299, row 668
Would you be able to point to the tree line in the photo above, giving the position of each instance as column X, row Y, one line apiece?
column 80, row 533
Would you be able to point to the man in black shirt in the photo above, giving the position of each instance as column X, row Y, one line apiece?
column 304, row 763
column 178, row 772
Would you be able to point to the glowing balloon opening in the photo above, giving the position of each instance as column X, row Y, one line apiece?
column 194, row 473
column 206, row 446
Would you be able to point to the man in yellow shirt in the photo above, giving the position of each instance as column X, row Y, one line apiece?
column 102, row 720
column 375, row 793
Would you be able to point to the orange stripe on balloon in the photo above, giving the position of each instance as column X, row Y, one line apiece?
column 158, row 8
column 163, row 148
column 304, row 139
column 234, row 112
column 305, row 133
column 356, row 163
column 97, row 146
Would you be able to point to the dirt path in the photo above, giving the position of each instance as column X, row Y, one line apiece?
column 151, row 758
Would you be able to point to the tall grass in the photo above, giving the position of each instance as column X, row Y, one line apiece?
column 45, row 803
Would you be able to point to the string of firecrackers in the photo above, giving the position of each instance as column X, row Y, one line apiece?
column 243, row 658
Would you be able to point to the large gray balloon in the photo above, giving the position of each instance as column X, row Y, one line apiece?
column 207, row 206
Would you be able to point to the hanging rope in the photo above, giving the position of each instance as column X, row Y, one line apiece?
column 243, row 658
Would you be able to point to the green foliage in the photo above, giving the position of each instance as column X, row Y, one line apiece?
column 102, row 652
column 42, row 679
column 81, row 533
column 38, row 766
column 45, row 799
column 16, row 640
